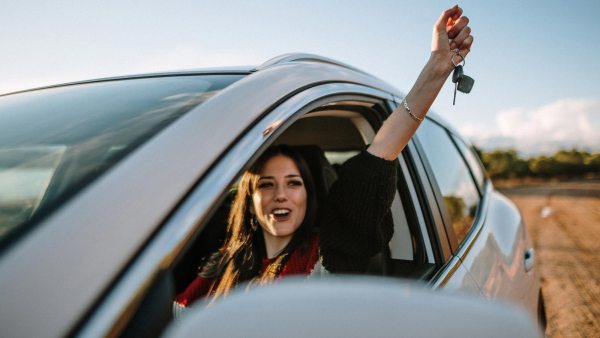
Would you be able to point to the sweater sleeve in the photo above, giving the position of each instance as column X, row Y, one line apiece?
column 357, row 221
column 198, row 288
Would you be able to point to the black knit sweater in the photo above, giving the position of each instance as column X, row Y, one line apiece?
column 357, row 222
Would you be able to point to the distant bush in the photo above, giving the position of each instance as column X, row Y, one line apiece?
column 505, row 164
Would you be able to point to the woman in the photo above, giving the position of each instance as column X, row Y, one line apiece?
column 270, row 226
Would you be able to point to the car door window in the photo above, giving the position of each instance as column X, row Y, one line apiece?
column 451, row 173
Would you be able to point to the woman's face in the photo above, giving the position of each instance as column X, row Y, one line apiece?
column 279, row 199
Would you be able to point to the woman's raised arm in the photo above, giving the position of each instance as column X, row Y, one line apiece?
column 451, row 31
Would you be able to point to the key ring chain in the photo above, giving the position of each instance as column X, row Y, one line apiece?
column 462, row 82
column 457, row 53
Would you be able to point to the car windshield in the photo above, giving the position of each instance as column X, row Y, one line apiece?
column 55, row 141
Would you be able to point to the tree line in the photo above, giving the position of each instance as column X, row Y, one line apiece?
column 503, row 164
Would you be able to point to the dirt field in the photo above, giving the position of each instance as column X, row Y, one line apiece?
column 564, row 222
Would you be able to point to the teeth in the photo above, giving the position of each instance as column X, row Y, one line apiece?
column 281, row 212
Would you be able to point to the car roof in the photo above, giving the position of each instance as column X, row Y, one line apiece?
column 242, row 70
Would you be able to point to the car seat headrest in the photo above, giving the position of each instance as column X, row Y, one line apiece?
column 322, row 171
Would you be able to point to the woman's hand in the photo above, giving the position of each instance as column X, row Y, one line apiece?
column 450, row 31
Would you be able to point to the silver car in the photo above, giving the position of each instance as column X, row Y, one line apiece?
column 112, row 190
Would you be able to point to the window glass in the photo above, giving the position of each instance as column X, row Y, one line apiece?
column 472, row 160
column 452, row 175
column 55, row 141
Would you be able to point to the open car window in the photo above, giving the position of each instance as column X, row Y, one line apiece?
column 327, row 137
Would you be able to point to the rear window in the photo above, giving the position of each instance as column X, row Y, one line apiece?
column 54, row 142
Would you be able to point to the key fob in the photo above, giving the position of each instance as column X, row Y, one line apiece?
column 466, row 84
column 457, row 74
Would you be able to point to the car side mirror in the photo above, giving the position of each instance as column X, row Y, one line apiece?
column 353, row 307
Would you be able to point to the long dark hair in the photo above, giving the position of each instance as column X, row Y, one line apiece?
column 239, row 259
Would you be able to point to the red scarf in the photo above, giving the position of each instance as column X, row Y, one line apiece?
column 301, row 262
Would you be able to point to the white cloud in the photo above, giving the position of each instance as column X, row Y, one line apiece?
column 563, row 124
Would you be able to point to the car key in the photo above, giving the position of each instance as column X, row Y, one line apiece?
column 465, row 84
column 457, row 76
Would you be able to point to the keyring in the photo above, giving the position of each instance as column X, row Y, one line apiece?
column 462, row 57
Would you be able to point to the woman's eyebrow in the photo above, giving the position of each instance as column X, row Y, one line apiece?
column 273, row 177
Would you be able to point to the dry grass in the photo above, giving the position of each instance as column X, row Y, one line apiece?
column 566, row 236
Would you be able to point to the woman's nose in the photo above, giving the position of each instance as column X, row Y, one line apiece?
column 280, row 195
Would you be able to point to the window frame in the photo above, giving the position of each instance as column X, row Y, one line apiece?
column 485, row 191
column 479, row 216
column 466, row 147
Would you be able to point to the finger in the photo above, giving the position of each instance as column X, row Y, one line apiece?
column 440, row 36
column 452, row 20
column 462, row 35
column 465, row 47
column 458, row 26
column 458, row 14
column 440, row 24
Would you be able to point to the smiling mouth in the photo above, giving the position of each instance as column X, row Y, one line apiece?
column 281, row 215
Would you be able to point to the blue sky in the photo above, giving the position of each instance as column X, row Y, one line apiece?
column 537, row 78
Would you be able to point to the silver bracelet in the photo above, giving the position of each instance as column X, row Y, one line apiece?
column 413, row 116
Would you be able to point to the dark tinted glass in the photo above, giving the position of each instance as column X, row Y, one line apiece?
column 452, row 175
column 53, row 142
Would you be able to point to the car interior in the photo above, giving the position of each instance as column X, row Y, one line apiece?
column 326, row 137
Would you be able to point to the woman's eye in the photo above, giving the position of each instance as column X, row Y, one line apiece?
column 264, row 185
column 295, row 183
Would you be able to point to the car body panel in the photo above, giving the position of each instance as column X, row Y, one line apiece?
column 455, row 276
column 496, row 257
column 493, row 252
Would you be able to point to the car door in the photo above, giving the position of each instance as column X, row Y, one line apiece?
column 485, row 231
column 503, row 236
column 456, row 197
